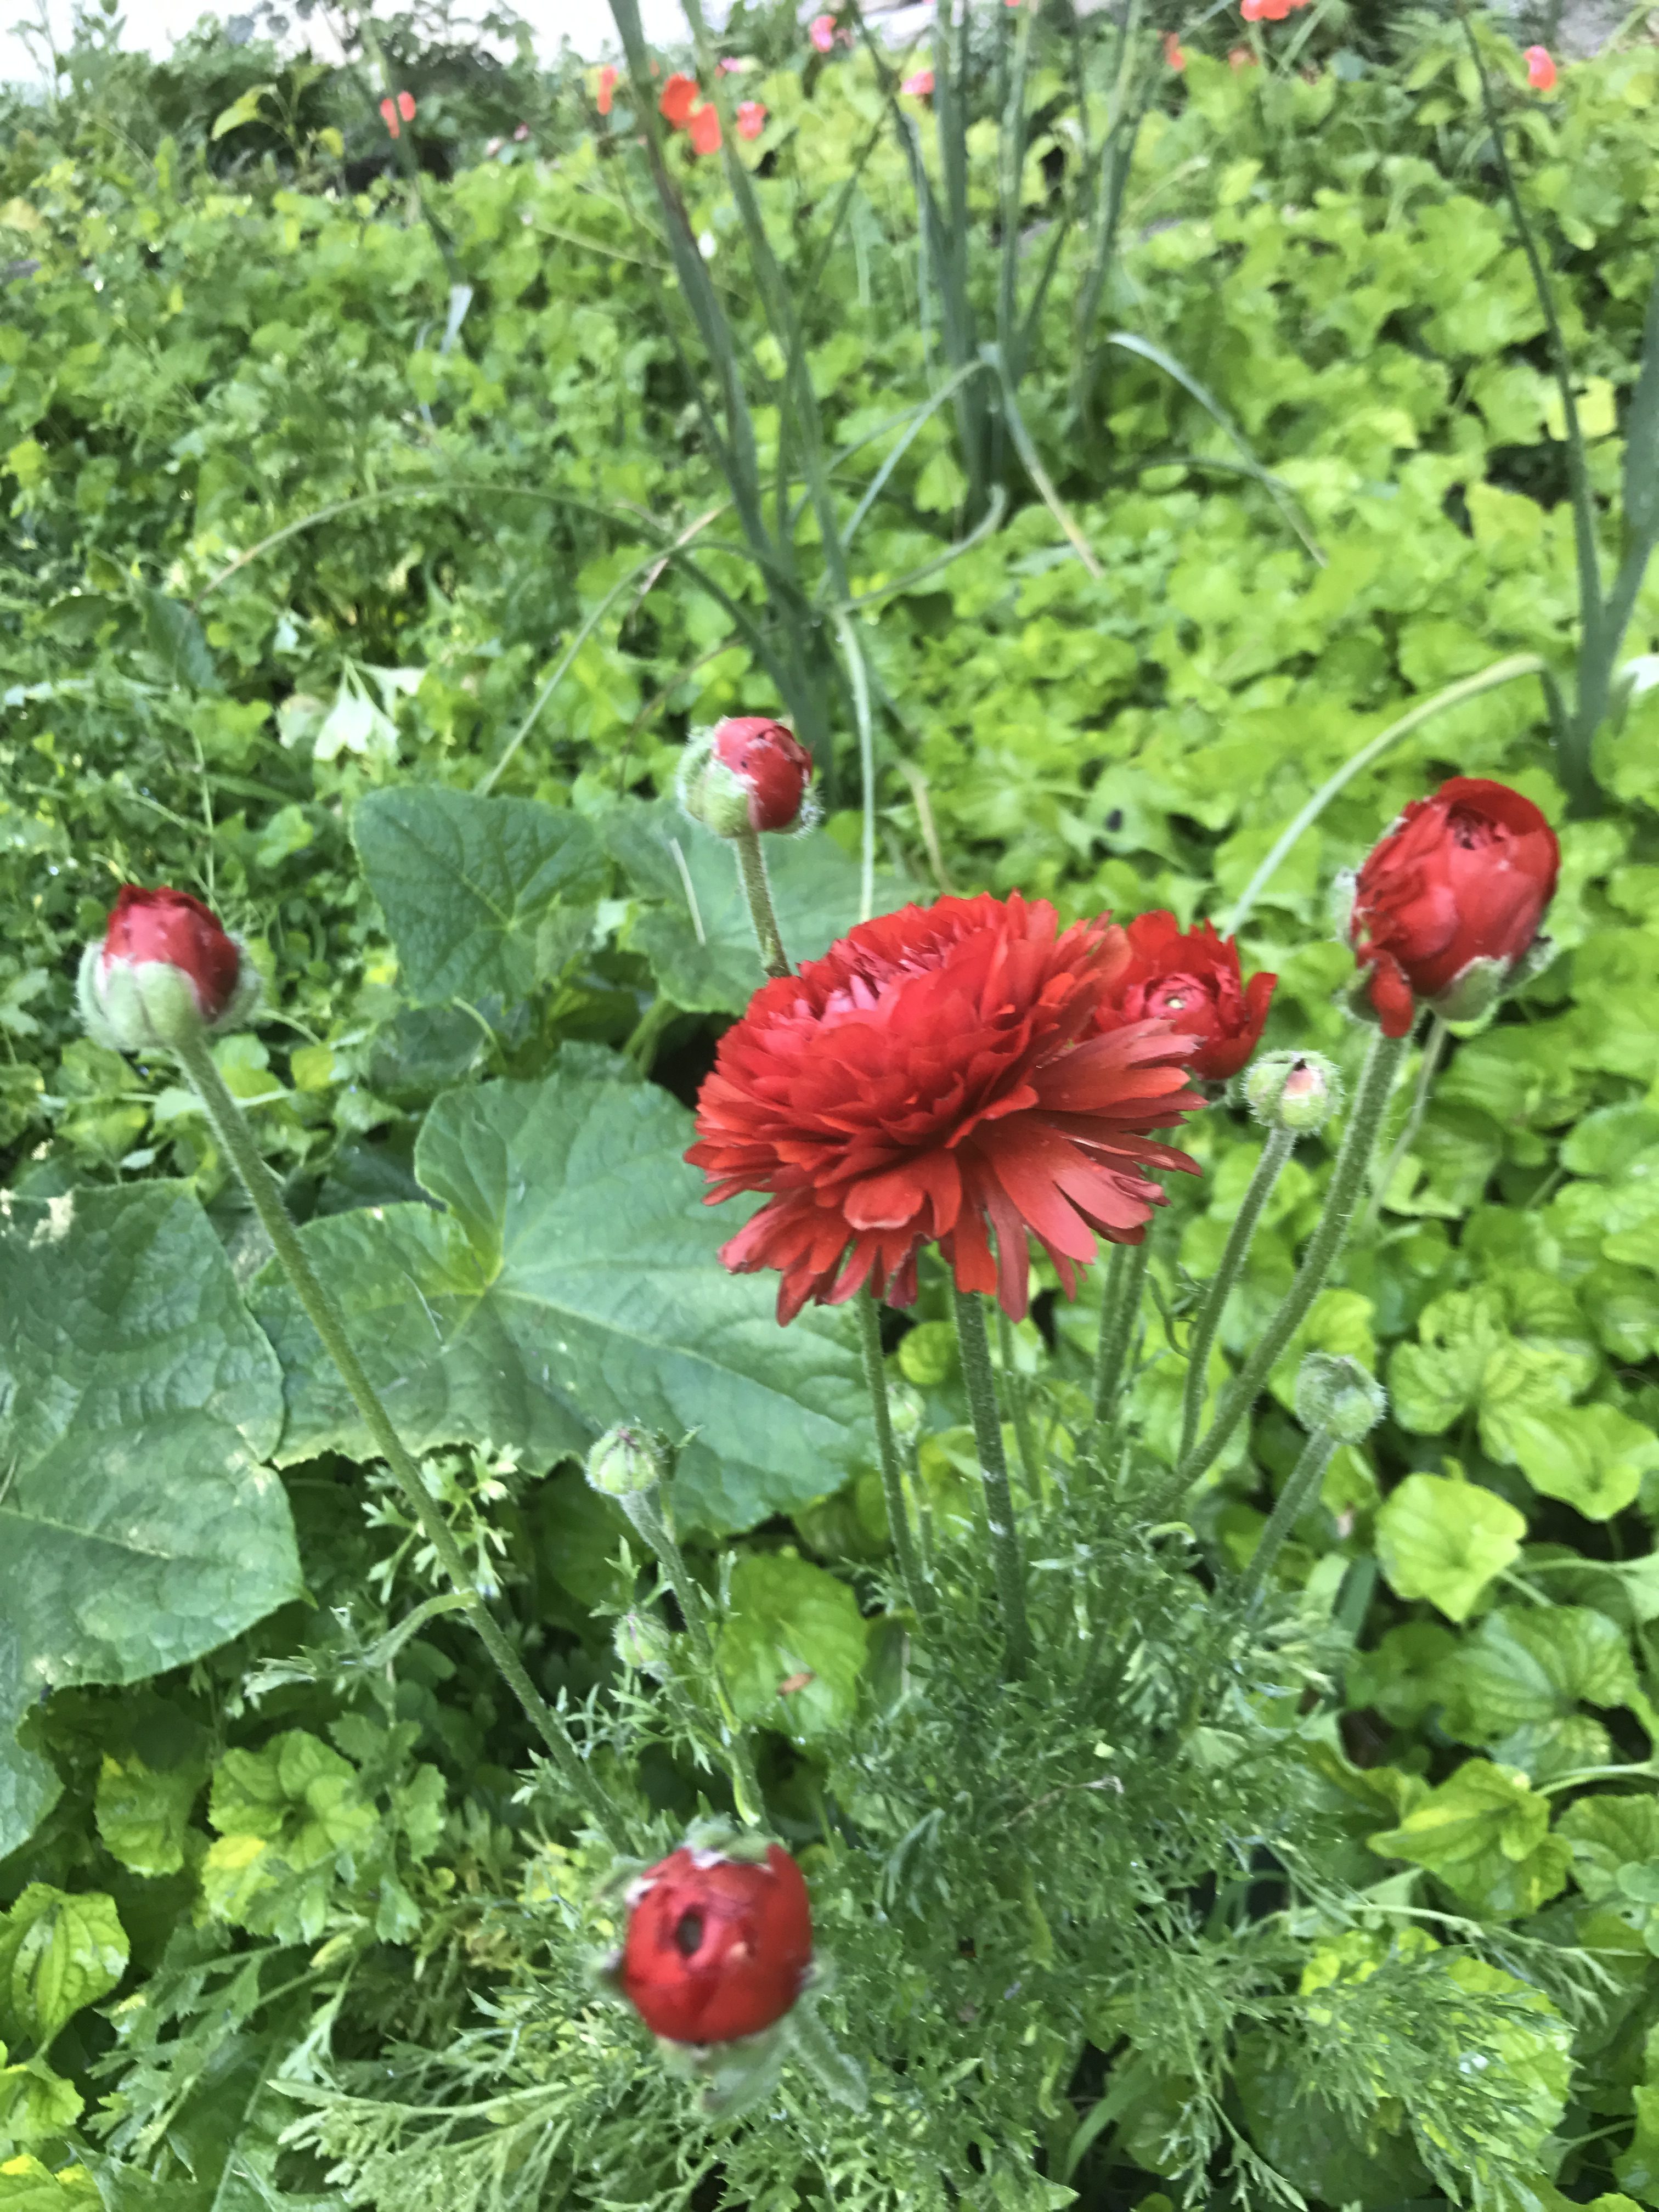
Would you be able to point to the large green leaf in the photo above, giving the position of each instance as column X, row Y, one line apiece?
column 137, row 1527
column 1445, row 1541
column 574, row 1281
column 1486, row 1833
column 476, row 892
column 794, row 1645
column 59, row 1951
column 699, row 940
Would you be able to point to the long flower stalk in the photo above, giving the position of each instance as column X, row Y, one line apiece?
column 1348, row 1178
column 1005, row 1555
column 230, row 1127
column 1120, row 1308
column 1274, row 1153
column 892, row 1479
column 1293, row 1501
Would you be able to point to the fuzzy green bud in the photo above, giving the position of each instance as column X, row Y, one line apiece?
column 1340, row 1396
column 1296, row 1091
column 644, row 1643
column 627, row 1461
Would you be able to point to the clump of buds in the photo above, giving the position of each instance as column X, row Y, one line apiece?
column 1340, row 1396
column 627, row 1462
column 745, row 774
column 1296, row 1091
column 164, row 966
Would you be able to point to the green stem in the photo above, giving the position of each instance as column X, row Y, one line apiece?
column 757, row 892
column 1293, row 1501
column 893, row 1480
column 1120, row 1305
column 976, row 1348
column 1274, row 1153
column 644, row 1510
column 236, row 1139
column 1432, row 1048
column 1341, row 1196
column 838, row 2075
column 1019, row 1406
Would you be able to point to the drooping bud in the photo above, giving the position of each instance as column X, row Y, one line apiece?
column 746, row 774
column 166, row 966
column 626, row 1461
column 1297, row 1091
column 1340, row 1396
column 718, row 1946
column 644, row 1643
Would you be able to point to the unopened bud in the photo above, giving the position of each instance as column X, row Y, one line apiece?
column 643, row 1644
column 1340, row 1396
column 746, row 774
column 626, row 1461
column 164, row 968
column 1297, row 1091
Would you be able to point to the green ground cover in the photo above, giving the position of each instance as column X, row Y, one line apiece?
column 378, row 618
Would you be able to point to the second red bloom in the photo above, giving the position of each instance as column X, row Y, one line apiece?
column 1192, row 978
column 925, row 1083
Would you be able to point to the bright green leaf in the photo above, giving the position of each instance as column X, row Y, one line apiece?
column 59, row 1952
column 790, row 1618
column 1445, row 1541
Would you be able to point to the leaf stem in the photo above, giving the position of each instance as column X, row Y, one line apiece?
column 1274, row 1153
column 1341, row 1196
column 1293, row 1501
column 976, row 1348
column 758, row 893
column 1126, row 1271
column 892, row 1479
column 230, row 1127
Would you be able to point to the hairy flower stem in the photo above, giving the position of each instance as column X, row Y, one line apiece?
column 1019, row 1406
column 1298, row 1493
column 644, row 1510
column 758, row 891
column 1274, row 1153
column 976, row 1348
column 1341, row 1196
column 236, row 1141
column 1433, row 1046
column 1120, row 1307
column 838, row 2075
column 893, row 1480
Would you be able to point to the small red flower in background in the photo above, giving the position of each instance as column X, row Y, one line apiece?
column 821, row 32
column 606, row 89
column 1191, row 979
column 932, row 1080
column 921, row 85
column 716, row 1947
column 1461, row 878
column 704, row 128
column 172, row 927
column 391, row 110
column 1541, row 69
column 674, row 102
column 751, row 117
column 1172, row 51
column 1241, row 57
column 520, row 132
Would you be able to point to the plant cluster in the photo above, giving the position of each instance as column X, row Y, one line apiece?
column 1207, row 1694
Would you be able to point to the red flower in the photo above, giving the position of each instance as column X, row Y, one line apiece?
column 772, row 765
column 1541, row 69
column 1173, row 52
column 606, row 89
column 1461, row 878
column 924, row 1083
column 821, row 32
column 391, row 110
column 705, row 129
column 1241, row 57
column 173, row 927
column 716, row 1947
column 674, row 103
column 1192, row 979
column 751, row 118
column 921, row 85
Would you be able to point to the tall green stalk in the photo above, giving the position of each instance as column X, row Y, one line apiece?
column 1293, row 1501
column 892, row 1478
column 1274, row 1153
column 1120, row 1307
column 1005, row 1555
column 235, row 1138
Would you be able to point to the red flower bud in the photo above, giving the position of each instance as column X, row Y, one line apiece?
column 1453, row 894
column 1191, row 978
column 674, row 102
column 717, row 1948
column 750, row 773
column 703, row 129
column 164, row 959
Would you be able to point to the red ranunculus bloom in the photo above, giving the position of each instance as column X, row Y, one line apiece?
column 704, row 129
column 1174, row 52
column 607, row 87
column 674, row 103
column 919, row 86
column 716, row 1947
column 772, row 765
column 1541, row 69
column 172, row 927
column 1460, row 878
column 924, row 1083
column 1191, row 978
column 751, row 117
